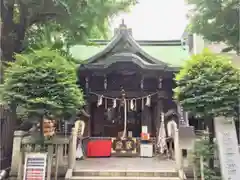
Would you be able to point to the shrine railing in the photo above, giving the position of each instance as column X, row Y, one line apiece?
column 61, row 151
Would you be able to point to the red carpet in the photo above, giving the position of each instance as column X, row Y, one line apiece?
column 99, row 148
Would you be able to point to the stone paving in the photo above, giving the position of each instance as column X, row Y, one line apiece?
column 126, row 164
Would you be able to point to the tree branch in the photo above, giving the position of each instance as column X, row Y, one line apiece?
column 50, row 10
column 41, row 17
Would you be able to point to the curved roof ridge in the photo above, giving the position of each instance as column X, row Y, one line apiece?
column 118, row 58
column 128, row 54
column 116, row 38
column 124, row 33
column 143, row 53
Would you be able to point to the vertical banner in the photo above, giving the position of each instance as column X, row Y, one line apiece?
column 228, row 148
column 181, row 113
column 35, row 166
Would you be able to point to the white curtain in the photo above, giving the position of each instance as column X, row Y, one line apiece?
column 79, row 126
column 171, row 128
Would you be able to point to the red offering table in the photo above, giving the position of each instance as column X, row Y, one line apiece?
column 99, row 148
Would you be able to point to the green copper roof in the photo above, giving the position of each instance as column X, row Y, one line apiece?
column 173, row 55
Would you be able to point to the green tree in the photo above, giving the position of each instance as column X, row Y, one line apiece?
column 43, row 83
column 205, row 151
column 208, row 85
column 33, row 23
column 217, row 21
column 75, row 20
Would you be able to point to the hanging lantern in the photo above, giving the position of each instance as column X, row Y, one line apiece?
column 105, row 83
column 159, row 83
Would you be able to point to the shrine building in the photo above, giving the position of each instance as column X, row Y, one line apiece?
column 128, row 83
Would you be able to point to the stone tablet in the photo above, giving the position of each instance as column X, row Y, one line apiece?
column 228, row 148
column 186, row 137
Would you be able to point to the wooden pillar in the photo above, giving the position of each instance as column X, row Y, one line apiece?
column 159, row 110
column 147, row 118
column 89, row 106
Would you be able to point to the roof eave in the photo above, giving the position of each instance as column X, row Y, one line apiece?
column 143, row 42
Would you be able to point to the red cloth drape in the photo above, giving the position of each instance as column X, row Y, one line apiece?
column 99, row 148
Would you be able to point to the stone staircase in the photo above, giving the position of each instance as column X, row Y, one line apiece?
column 124, row 169
column 124, row 175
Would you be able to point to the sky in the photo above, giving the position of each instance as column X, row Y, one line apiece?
column 155, row 19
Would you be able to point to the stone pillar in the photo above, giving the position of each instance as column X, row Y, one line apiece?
column 49, row 162
column 20, row 166
column 178, row 154
column 16, row 152
column 61, row 153
column 72, row 149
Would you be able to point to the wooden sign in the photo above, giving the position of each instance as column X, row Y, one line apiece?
column 228, row 148
column 124, row 146
column 35, row 166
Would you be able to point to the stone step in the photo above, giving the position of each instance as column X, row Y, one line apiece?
column 122, row 178
column 124, row 173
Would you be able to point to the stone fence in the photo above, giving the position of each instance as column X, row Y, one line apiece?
column 61, row 150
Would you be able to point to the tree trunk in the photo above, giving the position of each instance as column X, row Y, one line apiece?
column 42, row 138
column 7, row 34
column 237, row 125
column 12, row 36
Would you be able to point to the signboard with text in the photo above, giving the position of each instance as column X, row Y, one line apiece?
column 35, row 166
column 186, row 137
column 124, row 146
column 228, row 148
